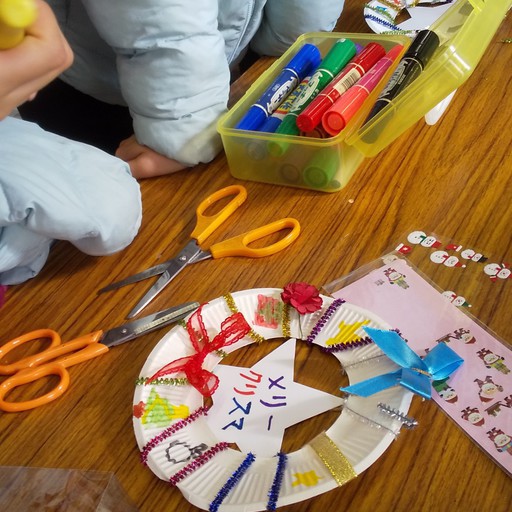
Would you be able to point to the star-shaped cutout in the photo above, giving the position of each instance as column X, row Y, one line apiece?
column 252, row 407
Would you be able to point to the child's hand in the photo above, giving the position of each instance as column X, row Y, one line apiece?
column 144, row 162
column 38, row 59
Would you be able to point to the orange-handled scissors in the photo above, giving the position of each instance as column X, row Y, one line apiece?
column 205, row 226
column 58, row 356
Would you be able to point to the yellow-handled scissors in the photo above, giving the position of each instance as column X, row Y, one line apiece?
column 58, row 356
column 205, row 226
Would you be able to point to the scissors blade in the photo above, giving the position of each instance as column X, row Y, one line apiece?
column 131, row 330
column 185, row 257
column 135, row 278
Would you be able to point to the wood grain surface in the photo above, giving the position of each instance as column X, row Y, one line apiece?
column 453, row 179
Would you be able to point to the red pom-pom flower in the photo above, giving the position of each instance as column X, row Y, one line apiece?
column 304, row 297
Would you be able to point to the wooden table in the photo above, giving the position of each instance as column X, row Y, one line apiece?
column 452, row 179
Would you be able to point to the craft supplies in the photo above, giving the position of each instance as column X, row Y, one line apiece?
column 409, row 68
column 348, row 104
column 303, row 63
column 58, row 356
column 464, row 33
column 335, row 60
column 205, row 226
column 478, row 395
column 192, row 452
column 349, row 75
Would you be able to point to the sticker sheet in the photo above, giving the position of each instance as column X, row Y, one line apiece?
column 478, row 397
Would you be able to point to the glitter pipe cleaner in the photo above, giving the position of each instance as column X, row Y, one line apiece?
column 165, row 381
column 197, row 463
column 380, row 21
column 367, row 421
column 323, row 320
column 273, row 494
column 169, row 431
column 286, row 321
column 381, row 11
column 407, row 421
column 362, row 360
column 339, row 347
column 230, row 301
column 232, row 481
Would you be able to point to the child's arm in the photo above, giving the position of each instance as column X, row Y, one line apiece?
column 145, row 162
column 174, row 77
column 39, row 58
column 285, row 20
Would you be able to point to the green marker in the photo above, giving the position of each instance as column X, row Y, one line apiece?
column 322, row 168
column 335, row 60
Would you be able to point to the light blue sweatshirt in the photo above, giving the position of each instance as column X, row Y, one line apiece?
column 169, row 60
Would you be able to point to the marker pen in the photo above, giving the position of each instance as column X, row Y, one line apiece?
column 335, row 60
column 321, row 169
column 356, row 68
column 337, row 116
column 15, row 17
column 258, row 149
column 304, row 61
column 271, row 124
column 409, row 68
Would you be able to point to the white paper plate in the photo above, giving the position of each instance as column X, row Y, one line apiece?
column 361, row 432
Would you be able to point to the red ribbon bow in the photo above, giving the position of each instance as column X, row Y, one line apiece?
column 232, row 329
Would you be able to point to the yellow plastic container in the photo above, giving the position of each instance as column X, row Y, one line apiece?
column 327, row 164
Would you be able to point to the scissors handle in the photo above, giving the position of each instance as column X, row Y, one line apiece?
column 40, row 334
column 239, row 245
column 207, row 224
column 52, row 361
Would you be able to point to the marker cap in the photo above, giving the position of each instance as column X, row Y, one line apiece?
column 336, row 118
column 305, row 60
column 338, row 56
column 423, row 47
column 312, row 114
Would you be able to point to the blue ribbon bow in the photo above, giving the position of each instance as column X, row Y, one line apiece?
column 415, row 373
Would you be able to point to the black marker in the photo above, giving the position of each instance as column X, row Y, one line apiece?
column 409, row 68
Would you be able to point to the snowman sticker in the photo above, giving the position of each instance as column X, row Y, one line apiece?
column 442, row 257
column 421, row 238
column 469, row 254
column 496, row 271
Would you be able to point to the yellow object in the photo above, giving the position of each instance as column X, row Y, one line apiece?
column 346, row 333
column 337, row 464
column 15, row 17
column 309, row 479
column 465, row 31
column 288, row 229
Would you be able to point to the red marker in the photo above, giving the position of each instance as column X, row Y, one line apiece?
column 360, row 64
column 337, row 116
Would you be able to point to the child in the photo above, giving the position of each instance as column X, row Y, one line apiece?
column 50, row 187
column 169, row 62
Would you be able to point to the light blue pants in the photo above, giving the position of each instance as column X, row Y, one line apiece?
column 52, row 188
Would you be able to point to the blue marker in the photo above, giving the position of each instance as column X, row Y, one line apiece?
column 273, row 121
column 304, row 61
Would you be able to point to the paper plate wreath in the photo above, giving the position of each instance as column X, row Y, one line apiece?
column 193, row 448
